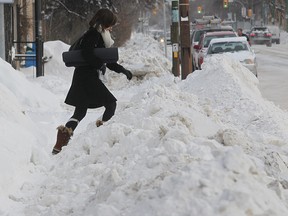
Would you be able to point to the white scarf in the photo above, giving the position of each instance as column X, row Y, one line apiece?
column 108, row 41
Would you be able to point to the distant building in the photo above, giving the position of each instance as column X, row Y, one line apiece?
column 19, row 29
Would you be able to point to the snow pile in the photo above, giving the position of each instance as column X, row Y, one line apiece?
column 209, row 145
column 31, row 96
column 144, row 61
column 18, row 133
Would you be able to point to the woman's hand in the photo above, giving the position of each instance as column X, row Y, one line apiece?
column 128, row 74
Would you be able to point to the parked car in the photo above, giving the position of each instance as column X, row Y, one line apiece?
column 260, row 35
column 275, row 31
column 238, row 48
column 196, row 34
column 201, row 47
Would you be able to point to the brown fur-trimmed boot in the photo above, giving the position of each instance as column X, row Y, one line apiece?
column 99, row 123
column 63, row 136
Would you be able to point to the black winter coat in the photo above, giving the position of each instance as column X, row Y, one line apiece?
column 87, row 90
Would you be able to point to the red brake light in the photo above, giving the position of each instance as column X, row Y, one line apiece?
column 252, row 34
column 268, row 35
column 201, row 60
column 197, row 47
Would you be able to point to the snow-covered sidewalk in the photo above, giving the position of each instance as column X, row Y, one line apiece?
column 210, row 145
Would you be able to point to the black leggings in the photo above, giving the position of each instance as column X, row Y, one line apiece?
column 80, row 113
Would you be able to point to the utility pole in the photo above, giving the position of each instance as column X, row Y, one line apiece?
column 2, row 32
column 175, row 38
column 186, row 63
column 38, row 39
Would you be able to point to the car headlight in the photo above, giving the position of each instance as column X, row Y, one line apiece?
column 248, row 61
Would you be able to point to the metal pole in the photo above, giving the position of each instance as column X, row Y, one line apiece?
column 2, row 32
column 165, row 28
column 175, row 39
column 186, row 63
column 38, row 39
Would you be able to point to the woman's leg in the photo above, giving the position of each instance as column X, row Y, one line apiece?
column 109, row 111
column 65, row 132
column 79, row 114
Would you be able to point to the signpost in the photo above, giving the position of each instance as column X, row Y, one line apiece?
column 38, row 39
column 186, row 63
column 2, row 33
column 175, row 39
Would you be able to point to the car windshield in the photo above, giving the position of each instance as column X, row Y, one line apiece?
column 197, row 35
column 208, row 38
column 222, row 47
column 260, row 29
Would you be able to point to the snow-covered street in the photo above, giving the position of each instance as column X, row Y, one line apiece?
column 273, row 73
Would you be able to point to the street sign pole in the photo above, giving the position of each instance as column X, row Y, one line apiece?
column 186, row 63
column 38, row 39
column 2, row 32
column 175, row 39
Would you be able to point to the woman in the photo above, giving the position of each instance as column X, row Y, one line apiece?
column 87, row 90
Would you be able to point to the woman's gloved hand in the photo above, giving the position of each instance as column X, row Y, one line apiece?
column 103, row 69
column 128, row 74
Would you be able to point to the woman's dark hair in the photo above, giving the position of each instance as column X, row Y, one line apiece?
column 103, row 17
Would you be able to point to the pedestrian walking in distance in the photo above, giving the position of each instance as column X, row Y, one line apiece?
column 241, row 34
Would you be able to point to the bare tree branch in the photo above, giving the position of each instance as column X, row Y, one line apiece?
column 69, row 11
